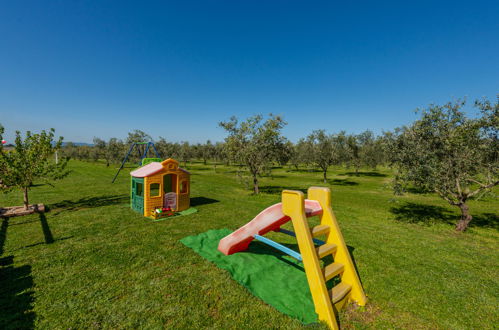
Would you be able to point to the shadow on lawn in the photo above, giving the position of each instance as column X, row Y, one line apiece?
column 88, row 202
column 275, row 190
column 342, row 182
column 422, row 214
column 304, row 170
column 47, row 233
column 371, row 174
column 16, row 294
column 430, row 214
column 485, row 220
column 196, row 201
column 203, row 168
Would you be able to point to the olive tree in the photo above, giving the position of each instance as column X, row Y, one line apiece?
column 450, row 154
column 371, row 154
column 254, row 143
column 100, row 150
column 31, row 159
column 321, row 150
column 284, row 152
column 218, row 153
column 301, row 154
column 185, row 152
column 354, row 154
column 115, row 149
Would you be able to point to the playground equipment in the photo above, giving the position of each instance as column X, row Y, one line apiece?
column 296, row 208
column 160, row 188
column 142, row 154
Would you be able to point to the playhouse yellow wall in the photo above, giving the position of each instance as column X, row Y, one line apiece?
column 183, row 199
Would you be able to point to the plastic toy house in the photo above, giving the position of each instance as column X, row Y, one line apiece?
column 159, row 186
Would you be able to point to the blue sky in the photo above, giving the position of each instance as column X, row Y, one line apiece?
column 175, row 69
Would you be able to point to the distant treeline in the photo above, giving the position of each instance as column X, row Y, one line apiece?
column 443, row 152
column 351, row 150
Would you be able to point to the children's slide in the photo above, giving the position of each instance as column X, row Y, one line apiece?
column 269, row 219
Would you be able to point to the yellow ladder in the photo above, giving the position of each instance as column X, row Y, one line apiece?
column 327, row 302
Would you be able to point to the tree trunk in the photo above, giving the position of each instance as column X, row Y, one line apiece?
column 324, row 172
column 465, row 218
column 255, row 184
column 26, row 201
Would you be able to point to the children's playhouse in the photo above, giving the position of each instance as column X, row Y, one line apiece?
column 160, row 185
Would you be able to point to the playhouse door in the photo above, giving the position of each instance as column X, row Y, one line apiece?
column 170, row 201
column 138, row 194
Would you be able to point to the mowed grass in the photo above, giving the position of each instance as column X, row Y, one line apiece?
column 91, row 262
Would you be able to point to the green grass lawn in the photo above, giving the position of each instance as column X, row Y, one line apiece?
column 91, row 262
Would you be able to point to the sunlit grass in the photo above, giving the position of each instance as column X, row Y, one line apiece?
column 92, row 262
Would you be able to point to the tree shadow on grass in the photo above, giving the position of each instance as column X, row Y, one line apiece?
column 275, row 190
column 88, row 202
column 342, row 182
column 196, row 201
column 37, row 185
column 16, row 290
column 485, row 220
column 371, row 174
column 304, row 170
column 430, row 214
column 423, row 214
column 273, row 176
column 202, row 168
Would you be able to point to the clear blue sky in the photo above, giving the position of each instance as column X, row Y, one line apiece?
column 175, row 69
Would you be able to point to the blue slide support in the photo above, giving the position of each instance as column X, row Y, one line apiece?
column 292, row 233
column 279, row 247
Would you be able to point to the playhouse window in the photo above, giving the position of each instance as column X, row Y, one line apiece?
column 138, row 188
column 184, row 187
column 154, row 190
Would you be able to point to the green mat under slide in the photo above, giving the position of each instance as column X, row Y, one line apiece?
column 277, row 279
column 190, row 210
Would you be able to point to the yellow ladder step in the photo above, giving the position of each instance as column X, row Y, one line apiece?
column 332, row 270
column 320, row 230
column 325, row 250
column 340, row 291
column 327, row 301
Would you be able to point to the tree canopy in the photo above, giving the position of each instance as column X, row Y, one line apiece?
column 254, row 143
column 138, row 136
column 450, row 154
column 321, row 150
column 31, row 159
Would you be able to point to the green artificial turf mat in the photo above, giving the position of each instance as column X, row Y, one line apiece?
column 190, row 210
column 277, row 279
